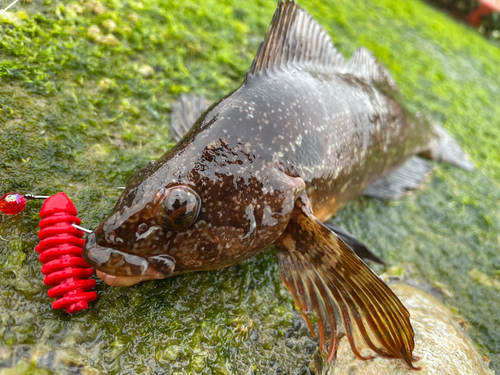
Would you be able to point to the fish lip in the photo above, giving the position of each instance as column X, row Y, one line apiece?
column 112, row 261
column 118, row 263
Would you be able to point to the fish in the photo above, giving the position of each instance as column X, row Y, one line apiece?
column 268, row 165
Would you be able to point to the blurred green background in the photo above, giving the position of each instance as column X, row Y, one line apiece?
column 489, row 24
column 85, row 93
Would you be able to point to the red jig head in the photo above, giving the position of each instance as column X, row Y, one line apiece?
column 60, row 250
column 12, row 203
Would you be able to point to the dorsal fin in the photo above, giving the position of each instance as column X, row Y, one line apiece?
column 364, row 65
column 294, row 37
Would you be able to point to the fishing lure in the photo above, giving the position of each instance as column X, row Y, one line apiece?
column 60, row 249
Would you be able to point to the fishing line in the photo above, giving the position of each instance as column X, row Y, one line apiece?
column 6, row 9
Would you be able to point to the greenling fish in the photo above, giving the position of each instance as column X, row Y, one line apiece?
column 266, row 165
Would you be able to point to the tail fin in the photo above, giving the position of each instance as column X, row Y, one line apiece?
column 445, row 148
column 327, row 278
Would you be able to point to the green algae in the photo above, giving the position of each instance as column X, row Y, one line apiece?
column 85, row 92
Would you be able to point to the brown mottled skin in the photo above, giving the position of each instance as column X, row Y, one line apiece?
column 334, row 131
column 303, row 135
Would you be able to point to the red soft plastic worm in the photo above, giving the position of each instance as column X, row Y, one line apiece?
column 60, row 250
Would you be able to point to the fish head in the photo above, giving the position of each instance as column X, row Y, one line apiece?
column 172, row 219
column 129, row 242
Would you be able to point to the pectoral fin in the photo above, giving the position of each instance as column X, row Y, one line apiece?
column 356, row 245
column 327, row 278
column 185, row 112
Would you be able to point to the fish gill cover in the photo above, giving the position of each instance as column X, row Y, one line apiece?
column 85, row 93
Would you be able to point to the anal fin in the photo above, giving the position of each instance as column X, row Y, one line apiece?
column 185, row 112
column 408, row 176
column 327, row 278
column 356, row 245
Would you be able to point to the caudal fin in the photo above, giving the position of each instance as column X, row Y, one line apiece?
column 445, row 148
column 326, row 278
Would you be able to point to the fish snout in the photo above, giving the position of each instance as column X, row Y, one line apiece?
column 113, row 261
column 118, row 268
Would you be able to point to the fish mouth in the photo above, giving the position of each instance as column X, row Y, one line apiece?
column 117, row 268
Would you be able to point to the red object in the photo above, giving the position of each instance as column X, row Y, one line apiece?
column 60, row 250
column 12, row 203
column 486, row 7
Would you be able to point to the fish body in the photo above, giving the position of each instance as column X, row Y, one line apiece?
column 304, row 134
column 336, row 131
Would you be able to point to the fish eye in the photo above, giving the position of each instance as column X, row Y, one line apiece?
column 178, row 208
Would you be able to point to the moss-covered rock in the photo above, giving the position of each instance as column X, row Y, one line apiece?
column 85, row 92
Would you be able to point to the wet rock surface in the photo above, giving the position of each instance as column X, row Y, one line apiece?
column 441, row 343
